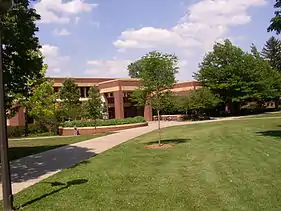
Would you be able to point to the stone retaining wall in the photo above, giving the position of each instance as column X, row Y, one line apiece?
column 68, row 131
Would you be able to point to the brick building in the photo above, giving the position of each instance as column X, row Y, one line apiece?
column 115, row 93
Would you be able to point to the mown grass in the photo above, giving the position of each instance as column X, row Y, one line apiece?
column 230, row 165
column 19, row 148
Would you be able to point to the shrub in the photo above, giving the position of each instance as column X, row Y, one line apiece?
column 91, row 123
column 18, row 131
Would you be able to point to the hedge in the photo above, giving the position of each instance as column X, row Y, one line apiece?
column 18, row 131
column 91, row 123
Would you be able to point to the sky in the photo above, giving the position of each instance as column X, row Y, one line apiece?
column 99, row 38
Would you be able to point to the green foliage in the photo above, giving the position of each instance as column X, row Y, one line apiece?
column 22, row 59
column 19, row 131
column 69, row 96
column 237, row 77
column 134, row 69
column 44, row 107
column 103, row 122
column 93, row 106
column 157, row 74
column 272, row 53
column 275, row 23
column 198, row 100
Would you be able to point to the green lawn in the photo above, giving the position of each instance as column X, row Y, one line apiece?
column 275, row 114
column 230, row 165
column 21, row 148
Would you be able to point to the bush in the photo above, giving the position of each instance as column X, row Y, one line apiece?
column 18, row 131
column 91, row 123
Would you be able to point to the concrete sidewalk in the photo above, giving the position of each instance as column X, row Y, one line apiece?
column 34, row 168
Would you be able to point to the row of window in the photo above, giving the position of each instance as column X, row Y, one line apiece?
column 84, row 92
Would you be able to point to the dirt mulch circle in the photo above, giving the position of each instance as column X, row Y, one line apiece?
column 157, row 146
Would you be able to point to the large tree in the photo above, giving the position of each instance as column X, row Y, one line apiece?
column 272, row 52
column 237, row 77
column 22, row 60
column 275, row 23
column 69, row 96
column 134, row 69
column 157, row 74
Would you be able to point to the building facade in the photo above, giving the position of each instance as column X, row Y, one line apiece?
column 115, row 93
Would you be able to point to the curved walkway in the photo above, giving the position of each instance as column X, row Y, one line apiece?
column 34, row 168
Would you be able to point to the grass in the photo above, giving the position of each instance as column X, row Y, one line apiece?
column 19, row 148
column 230, row 165
column 274, row 114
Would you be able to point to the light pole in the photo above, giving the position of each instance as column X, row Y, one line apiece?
column 5, row 5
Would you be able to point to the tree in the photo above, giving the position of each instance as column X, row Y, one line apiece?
column 69, row 96
column 134, row 69
column 44, row 106
column 157, row 75
column 22, row 59
column 94, row 105
column 275, row 23
column 237, row 77
column 197, row 101
column 272, row 53
column 23, row 101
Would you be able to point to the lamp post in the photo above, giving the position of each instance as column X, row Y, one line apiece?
column 5, row 5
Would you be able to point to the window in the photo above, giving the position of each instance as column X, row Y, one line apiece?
column 82, row 92
column 87, row 91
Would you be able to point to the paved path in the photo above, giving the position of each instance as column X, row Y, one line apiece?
column 34, row 168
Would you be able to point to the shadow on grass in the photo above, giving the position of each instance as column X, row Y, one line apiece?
column 51, row 161
column 272, row 133
column 170, row 141
column 54, row 184
column 19, row 152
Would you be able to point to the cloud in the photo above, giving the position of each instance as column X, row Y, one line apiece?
column 61, row 32
column 53, row 58
column 59, row 11
column 203, row 24
column 77, row 20
column 107, row 68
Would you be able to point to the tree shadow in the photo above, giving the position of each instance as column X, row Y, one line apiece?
column 19, row 152
column 272, row 133
column 34, row 166
column 54, row 184
column 170, row 141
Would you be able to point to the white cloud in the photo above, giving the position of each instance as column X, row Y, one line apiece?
column 61, row 32
column 95, row 23
column 204, row 23
column 77, row 20
column 107, row 68
column 59, row 11
column 53, row 58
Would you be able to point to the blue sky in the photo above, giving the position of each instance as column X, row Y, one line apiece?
column 99, row 38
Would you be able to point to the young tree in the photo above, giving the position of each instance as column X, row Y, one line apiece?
column 94, row 105
column 23, row 101
column 272, row 53
column 198, row 100
column 157, row 74
column 44, row 107
column 69, row 96
column 22, row 60
column 236, row 77
column 275, row 23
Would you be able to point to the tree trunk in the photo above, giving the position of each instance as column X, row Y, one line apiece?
column 159, row 127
